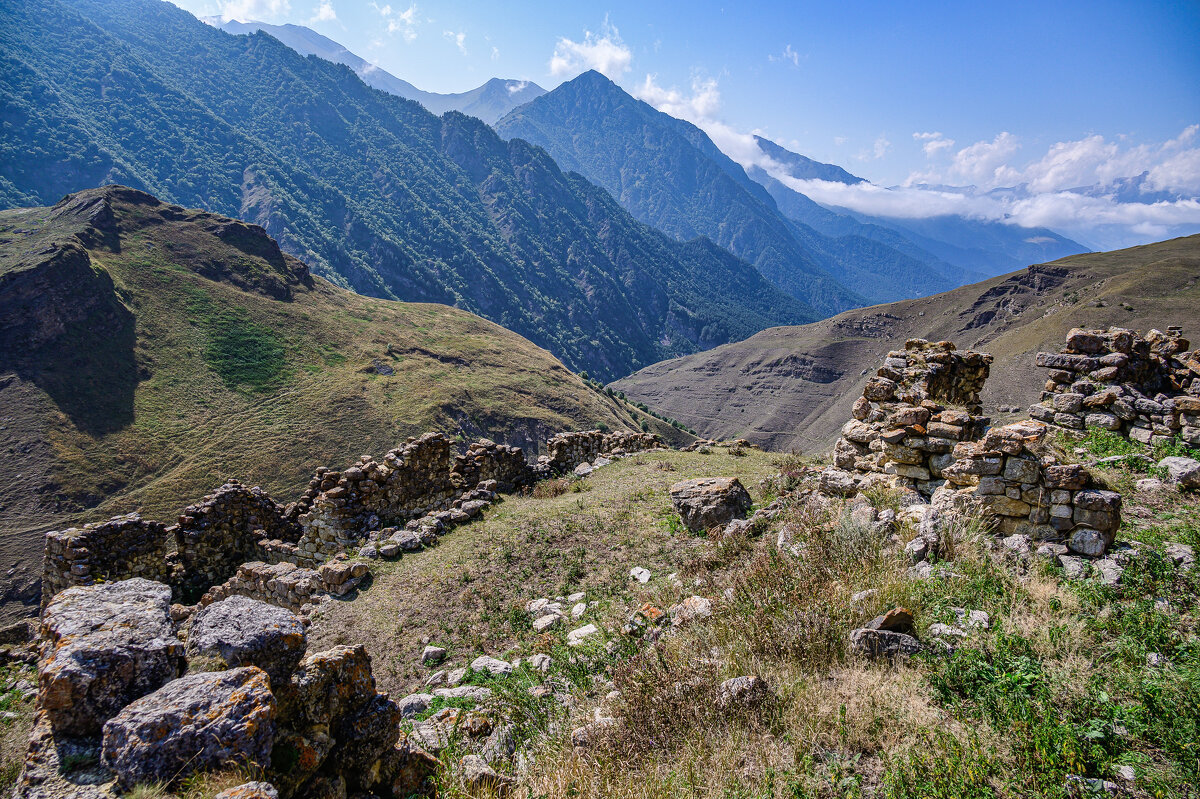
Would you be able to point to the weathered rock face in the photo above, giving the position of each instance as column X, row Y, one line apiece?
column 245, row 632
column 201, row 722
column 710, row 501
column 105, row 646
column 1144, row 388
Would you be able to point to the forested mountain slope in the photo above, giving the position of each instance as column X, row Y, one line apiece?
column 371, row 190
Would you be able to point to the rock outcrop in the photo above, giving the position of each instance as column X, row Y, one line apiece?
column 246, row 632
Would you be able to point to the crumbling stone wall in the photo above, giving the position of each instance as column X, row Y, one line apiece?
column 486, row 460
column 918, row 427
column 923, row 401
column 1144, row 388
column 118, row 549
column 222, row 531
column 565, row 451
column 408, row 482
column 287, row 585
column 340, row 510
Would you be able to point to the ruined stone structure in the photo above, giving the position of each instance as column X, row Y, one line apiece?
column 122, row 547
column 918, row 427
column 238, row 540
column 1147, row 389
column 222, row 531
column 565, row 451
column 287, row 585
column 923, row 401
column 121, row 697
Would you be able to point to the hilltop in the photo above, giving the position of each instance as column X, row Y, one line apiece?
column 372, row 191
column 793, row 386
column 148, row 353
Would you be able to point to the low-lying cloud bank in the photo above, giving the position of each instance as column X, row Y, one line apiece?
column 1104, row 194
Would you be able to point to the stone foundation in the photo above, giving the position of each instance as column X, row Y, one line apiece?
column 1144, row 388
column 118, row 549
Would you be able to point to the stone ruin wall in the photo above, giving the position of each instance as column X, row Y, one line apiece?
column 1146, row 389
column 120, row 548
column 287, row 585
column 233, row 540
column 565, row 451
column 918, row 426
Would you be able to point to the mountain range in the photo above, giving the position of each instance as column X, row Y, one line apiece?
column 792, row 387
column 668, row 173
column 371, row 190
column 488, row 102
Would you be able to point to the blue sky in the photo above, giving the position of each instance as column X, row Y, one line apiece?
column 1044, row 94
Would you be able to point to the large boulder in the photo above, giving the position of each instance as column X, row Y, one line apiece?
column 199, row 723
column 105, row 646
column 709, row 502
column 1184, row 472
column 245, row 632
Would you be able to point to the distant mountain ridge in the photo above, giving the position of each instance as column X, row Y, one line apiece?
column 488, row 102
column 792, row 387
column 669, row 174
column 978, row 248
column 371, row 190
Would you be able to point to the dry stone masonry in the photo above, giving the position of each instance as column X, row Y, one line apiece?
column 1144, row 388
column 239, row 541
column 920, row 405
column 918, row 427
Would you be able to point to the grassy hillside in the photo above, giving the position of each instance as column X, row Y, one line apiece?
column 793, row 386
column 370, row 190
column 148, row 353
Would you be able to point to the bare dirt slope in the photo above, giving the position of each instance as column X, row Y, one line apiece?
column 792, row 387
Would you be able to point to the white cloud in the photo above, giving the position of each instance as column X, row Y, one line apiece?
column 878, row 150
column 604, row 53
column 495, row 53
column 788, row 55
column 701, row 105
column 325, row 13
column 459, row 39
column 934, row 142
column 253, row 10
column 518, row 86
column 403, row 22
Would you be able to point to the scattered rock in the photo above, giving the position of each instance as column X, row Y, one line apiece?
column 476, row 692
column 433, row 655
column 1074, row 568
column 1149, row 485
column 414, row 705
column 694, row 607
column 1184, row 472
column 746, row 692
column 200, row 722
column 581, row 634
column 709, row 502
column 544, row 623
column 896, row 620
column 250, row 790
column 877, row 644
column 639, row 574
column 1182, row 555
column 481, row 777
column 540, row 663
column 493, row 666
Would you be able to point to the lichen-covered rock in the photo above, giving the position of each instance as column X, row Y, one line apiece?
column 710, row 501
column 199, row 723
column 744, row 692
column 245, row 632
column 106, row 645
column 876, row 644
column 250, row 790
